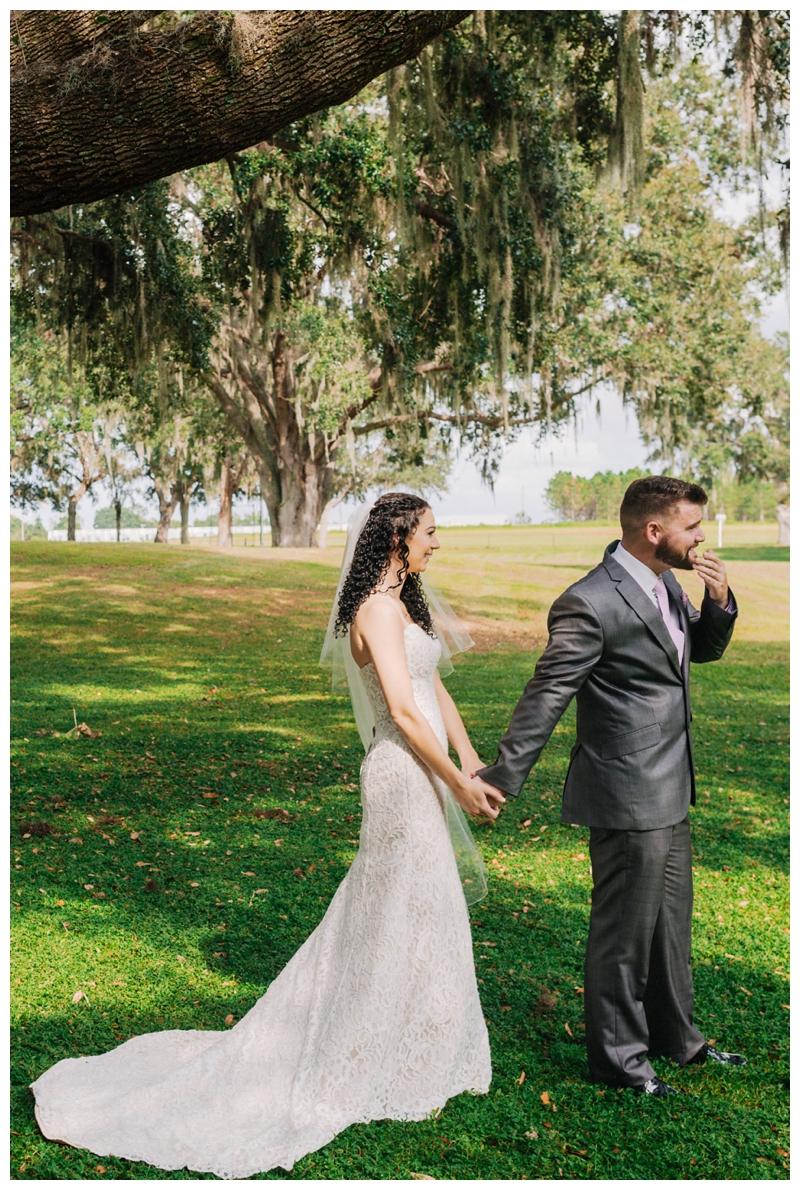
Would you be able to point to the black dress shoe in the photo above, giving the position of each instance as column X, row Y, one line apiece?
column 654, row 1086
column 707, row 1053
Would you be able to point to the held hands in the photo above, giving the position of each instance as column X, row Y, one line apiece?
column 712, row 571
column 476, row 798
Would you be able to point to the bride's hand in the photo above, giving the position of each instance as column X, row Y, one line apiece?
column 471, row 762
column 477, row 799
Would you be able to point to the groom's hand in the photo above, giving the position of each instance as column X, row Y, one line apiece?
column 478, row 799
column 495, row 796
column 712, row 571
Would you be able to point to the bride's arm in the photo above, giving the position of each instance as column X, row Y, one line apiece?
column 456, row 731
column 381, row 630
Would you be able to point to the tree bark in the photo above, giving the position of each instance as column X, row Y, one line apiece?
column 226, row 487
column 782, row 513
column 72, row 509
column 167, row 503
column 57, row 35
column 325, row 516
column 185, row 501
column 133, row 109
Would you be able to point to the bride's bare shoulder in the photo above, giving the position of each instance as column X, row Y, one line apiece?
column 377, row 613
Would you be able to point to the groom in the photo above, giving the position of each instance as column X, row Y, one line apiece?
column 620, row 643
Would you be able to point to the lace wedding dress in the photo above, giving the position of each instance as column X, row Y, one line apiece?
column 376, row 1016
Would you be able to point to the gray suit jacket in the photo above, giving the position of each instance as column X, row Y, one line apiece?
column 631, row 767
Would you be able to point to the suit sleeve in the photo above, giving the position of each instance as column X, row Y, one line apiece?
column 711, row 628
column 574, row 647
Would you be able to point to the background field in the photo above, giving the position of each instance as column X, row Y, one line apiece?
column 165, row 895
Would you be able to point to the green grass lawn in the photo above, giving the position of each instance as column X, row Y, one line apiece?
column 177, row 860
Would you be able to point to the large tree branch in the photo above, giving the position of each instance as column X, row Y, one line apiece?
column 57, row 35
column 428, row 212
column 146, row 107
column 492, row 421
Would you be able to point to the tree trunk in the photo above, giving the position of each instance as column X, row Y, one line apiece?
column 325, row 516
column 118, row 517
column 167, row 503
column 226, row 485
column 137, row 108
column 72, row 507
column 184, row 502
column 782, row 512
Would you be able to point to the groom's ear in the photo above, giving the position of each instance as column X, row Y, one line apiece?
column 653, row 532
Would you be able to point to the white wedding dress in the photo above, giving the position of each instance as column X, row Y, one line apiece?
column 376, row 1016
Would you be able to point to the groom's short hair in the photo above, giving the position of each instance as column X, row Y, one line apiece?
column 650, row 498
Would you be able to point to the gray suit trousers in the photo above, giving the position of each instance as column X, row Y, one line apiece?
column 638, row 991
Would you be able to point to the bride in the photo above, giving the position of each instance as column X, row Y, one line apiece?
column 377, row 1015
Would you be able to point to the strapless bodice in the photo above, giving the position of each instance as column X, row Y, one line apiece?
column 422, row 654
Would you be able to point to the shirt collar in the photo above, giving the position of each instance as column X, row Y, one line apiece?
column 644, row 576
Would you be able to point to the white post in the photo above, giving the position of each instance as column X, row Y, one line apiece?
column 720, row 519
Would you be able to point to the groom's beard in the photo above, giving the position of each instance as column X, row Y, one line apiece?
column 673, row 557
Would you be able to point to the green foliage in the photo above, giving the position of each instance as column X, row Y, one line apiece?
column 34, row 532
column 206, row 667
column 575, row 498
column 437, row 253
column 58, row 429
column 130, row 518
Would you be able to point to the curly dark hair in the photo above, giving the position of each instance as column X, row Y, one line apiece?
column 392, row 519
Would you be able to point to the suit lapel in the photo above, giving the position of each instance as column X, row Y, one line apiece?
column 644, row 608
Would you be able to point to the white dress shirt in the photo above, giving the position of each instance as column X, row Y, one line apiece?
column 644, row 576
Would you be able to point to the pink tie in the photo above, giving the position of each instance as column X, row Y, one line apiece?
column 660, row 590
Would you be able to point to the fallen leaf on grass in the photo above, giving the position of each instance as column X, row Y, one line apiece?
column 521, row 1078
column 422, row 1177
column 142, row 863
column 229, row 1019
column 248, row 873
column 194, row 884
column 545, row 1098
column 60, row 903
column 532, row 1135
column 741, row 989
column 135, row 838
column 299, row 873
column 581, row 856
column 566, row 1026
column 78, row 996
column 99, row 1169
column 76, row 840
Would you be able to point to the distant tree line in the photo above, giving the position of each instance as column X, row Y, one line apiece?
column 577, row 498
